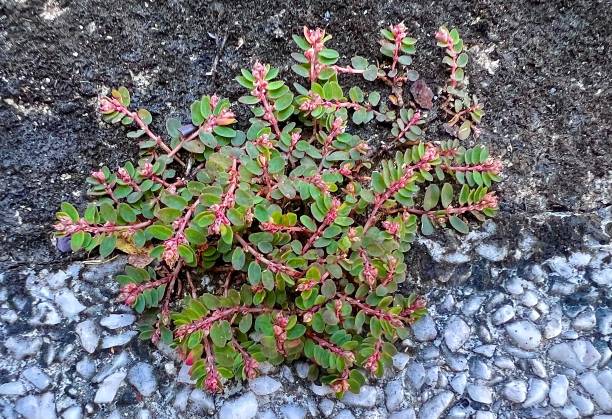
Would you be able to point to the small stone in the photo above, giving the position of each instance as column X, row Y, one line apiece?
column 579, row 355
column 57, row 280
column 504, row 363
column 394, row 393
column 116, row 321
column 403, row 414
column 459, row 382
column 267, row 414
column 589, row 382
column 181, row 399
column 184, row 376
column 88, row 334
column 22, row 347
column 604, row 321
column 32, row 407
column 109, row 387
column 558, row 390
column 486, row 350
column 326, row 406
column 292, row 411
column 456, row 333
column 118, row 340
column 201, row 401
column 415, row 375
column 73, row 412
column 322, row 390
column 514, row 285
column 119, row 361
column 492, row 252
column 515, row 391
column 553, row 328
column 365, row 398
column 472, row 305
column 480, row 393
column 435, row 407
column 538, row 389
column 479, row 369
column 605, row 378
column 538, row 368
column 585, row 321
column 86, row 368
column 264, row 385
column 483, row 414
column 424, row 329
column 524, row 334
column 244, row 407
column 529, row 298
column 68, row 303
column 400, row 360
column 502, row 315
column 570, row 412
column 301, row 368
column 458, row 412
column 12, row 388
column 584, row 405
column 37, row 377
column 422, row 94
column 344, row 414
column 141, row 376
column 457, row 362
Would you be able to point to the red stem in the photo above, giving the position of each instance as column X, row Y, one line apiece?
column 119, row 107
column 333, row 348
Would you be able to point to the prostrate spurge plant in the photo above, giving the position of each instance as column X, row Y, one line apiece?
column 306, row 240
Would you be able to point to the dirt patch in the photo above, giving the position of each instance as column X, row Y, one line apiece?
column 541, row 69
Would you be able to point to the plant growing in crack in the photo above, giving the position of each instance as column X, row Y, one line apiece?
column 304, row 233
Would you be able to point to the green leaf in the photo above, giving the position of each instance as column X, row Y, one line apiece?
column 432, row 195
column 426, row 226
column 462, row 60
column 76, row 240
column 160, row 232
column 276, row 165
column 70, row 210
column 328, row 289
column 459, row 225
column 447, row 195
column 371, row 73
column 254, row 273
column 107, row 246
column 359, row 63
column 238, row 258
column 226, row 132
column 126, row 212
column 245, row 323
column 145, row 116
column 296, row 332
column 464, row 130
column 173, row 126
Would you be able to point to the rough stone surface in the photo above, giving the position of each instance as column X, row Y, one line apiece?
column 142, row 377
column 524, row 334
column 244, row 407
column 264, row 385
column 456, row 333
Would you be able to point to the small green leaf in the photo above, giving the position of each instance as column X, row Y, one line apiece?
column 447, row 195
column 459, row 225
column 426, row 226
column 464, row 130
column 107, row 246
column 160, row 232
column 238, row 258
column 432, row 195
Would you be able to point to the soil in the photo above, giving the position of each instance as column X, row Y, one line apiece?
column 542, row 69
